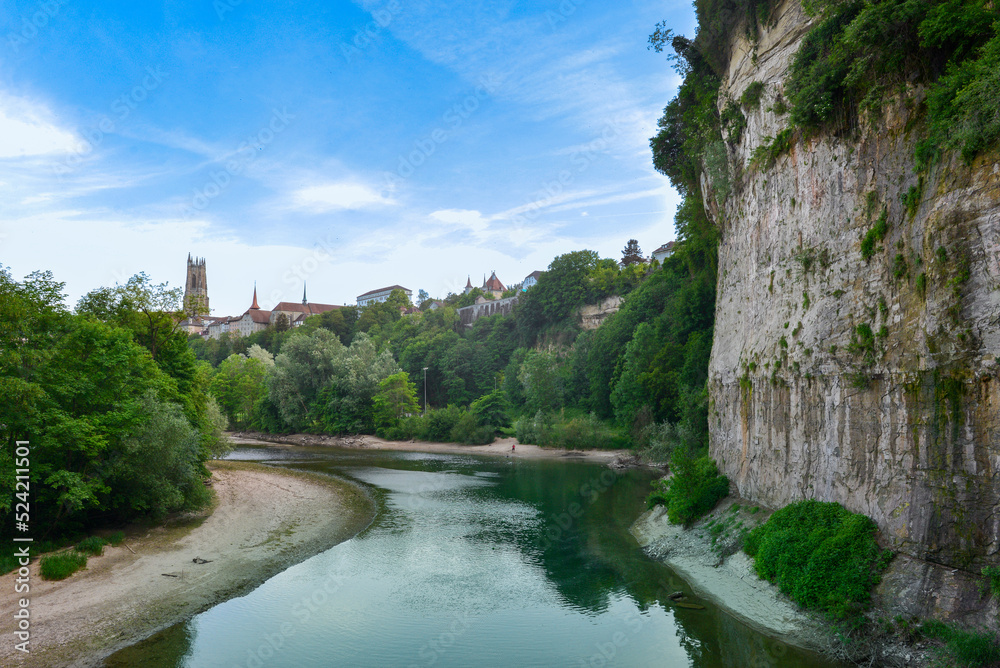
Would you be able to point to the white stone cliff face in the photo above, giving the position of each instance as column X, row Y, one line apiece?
column 910, row 436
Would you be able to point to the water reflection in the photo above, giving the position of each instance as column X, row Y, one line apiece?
column 471, row 561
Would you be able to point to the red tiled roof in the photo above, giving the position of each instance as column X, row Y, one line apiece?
column 494, row 283
column 308, row 309
column 258, row 316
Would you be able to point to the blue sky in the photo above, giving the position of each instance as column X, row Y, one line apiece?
column 350, row 145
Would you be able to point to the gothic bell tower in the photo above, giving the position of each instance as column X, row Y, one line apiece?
column 196, row 287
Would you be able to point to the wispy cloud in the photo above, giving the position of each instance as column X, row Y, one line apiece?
column 27, row 128
column 326, row 197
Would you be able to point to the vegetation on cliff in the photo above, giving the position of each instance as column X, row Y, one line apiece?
column 860, row 53
column 821, row 555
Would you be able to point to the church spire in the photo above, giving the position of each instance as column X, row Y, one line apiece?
column 254, row 305
column 304, row 301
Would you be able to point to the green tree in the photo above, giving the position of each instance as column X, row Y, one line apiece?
column 541, row 377
column 632, row 254
column 238, row 385
column 491, row 410
column 396, row 397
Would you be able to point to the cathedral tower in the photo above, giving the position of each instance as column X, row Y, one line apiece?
column 196, row 287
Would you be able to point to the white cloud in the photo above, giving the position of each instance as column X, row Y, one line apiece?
column 467, row 218
column 27, row 129
column 338, row 196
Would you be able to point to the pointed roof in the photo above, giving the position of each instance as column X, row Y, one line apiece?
column 254, row 305
column 304, row 301
column 494, row 283
column 468, row 283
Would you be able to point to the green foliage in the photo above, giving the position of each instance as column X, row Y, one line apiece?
column 659, row 440
column 991, row 581
column 911, row 198
column 320, row 385
column 922, row 284
column 62, row 565
column 966, row 648
column 492, row 410
column 693, row 489
column 860, row 52
column 238, row 385
column 468, row 430
column 771, row 149
column 92, row 545
column 559, row 430
column 752, row 94
column 899, row 268
column 158, row 468
column 733, row 121
column 560, row 291
column 84, row 390
column 869, row 244
column 863, row 343
column 116, row 538
column 396, row 397
column 542, row 377
column 821, row 555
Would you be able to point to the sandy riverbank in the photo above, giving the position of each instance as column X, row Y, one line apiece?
column 729, row 581
column 264, row 520
column 499, row 448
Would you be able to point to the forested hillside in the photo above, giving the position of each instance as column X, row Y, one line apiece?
column 638, row 378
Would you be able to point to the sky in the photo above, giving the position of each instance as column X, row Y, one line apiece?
column 345, row 145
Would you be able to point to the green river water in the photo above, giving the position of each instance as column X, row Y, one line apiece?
column 470, row 561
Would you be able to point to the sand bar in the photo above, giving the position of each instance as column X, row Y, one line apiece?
column 264, row 520
column 499, row 448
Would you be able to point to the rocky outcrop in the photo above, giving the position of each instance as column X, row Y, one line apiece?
column 592, row 315
column 867, row 378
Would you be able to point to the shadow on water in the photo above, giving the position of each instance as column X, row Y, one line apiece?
column 563, row 576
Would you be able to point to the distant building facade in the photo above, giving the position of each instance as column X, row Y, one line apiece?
column 530, row 280
column 254, row 319
column 663, row 252
column 381, row 294
column 297, row 313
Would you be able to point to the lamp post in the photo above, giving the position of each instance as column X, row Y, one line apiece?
column 425, row 390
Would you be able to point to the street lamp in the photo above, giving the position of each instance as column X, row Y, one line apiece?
column 425, row 390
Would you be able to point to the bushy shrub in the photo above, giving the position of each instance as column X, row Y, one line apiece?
column 659, row 440
column 693, row 489
column 94, row 545
column 116, row 539
column 968, row 648
column 440, row 422
column 468, row 430
column 530, row 429
column 821, row 555
column 557, row 430
column 62, row 565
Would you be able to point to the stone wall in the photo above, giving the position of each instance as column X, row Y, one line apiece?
column 901, row 425
column 469, row 314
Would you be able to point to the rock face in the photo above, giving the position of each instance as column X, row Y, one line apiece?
column 592, row 315
column 871, row 381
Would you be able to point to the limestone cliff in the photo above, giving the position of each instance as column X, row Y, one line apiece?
column 868, row 381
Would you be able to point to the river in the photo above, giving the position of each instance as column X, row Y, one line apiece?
column 470, row 561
